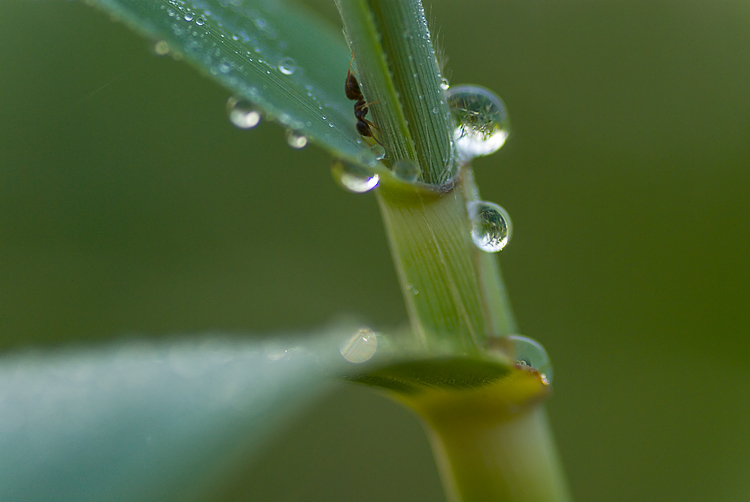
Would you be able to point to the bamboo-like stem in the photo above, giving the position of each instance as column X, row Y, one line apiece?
column 510, row 460
column 492, row 440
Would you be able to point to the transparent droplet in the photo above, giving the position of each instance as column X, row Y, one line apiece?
column 490, row 226
column 224, row 67
column 295, row 139
column 529, row 352
column 200, row 21
column 378, row 151
column 242, row 114
column 287, row 66
column 353, row 177
column 360, row 347
column 412, row 289
column 189, row 16
column 406, row 169
column 482, row 122
column 444, row 84
column 161, row 48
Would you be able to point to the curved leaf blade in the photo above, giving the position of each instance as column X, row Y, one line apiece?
column 279, row 57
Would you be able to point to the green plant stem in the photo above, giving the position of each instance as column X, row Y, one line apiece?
column 492, row 441
column 507, row 460
column 452, row 291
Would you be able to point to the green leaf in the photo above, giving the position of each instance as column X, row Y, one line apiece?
column 281, row 58
column 140, row 421
column 442, row 372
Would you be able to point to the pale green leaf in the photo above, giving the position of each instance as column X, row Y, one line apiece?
column 143, row 421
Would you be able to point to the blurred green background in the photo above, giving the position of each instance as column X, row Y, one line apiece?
column 130, row 206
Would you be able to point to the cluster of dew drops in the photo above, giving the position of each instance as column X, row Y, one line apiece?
column 482, row 127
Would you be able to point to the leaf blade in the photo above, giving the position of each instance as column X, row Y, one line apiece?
column 243, row 45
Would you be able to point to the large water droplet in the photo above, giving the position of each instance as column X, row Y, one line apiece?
column 353, row 177
column 482, row 122
column 361, row 347
column 444, row 84
column 200, row 21
column 242, row 113
column 530, row 353
column 490, row 226
column 295, row 139
column 189, row 16
column 287, row 66
column 406, row 170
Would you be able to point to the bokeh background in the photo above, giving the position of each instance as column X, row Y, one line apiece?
column 129, row 206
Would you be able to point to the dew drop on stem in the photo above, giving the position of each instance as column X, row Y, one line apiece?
column 491, row 227
column 529, row 353
column 482, row 122
column 406, row 170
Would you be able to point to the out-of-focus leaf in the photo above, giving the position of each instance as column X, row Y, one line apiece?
column 280, row 57
column 141, row 422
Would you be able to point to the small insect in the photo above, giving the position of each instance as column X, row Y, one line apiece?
column 361, row 107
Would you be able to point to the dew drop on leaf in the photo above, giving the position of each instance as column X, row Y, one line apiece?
column 482, row 122
column 287, row 66
column 490, row 226
column 242, row 113
column 161, row 48
column 353, row 177
column 295, row 139
column 360, row 347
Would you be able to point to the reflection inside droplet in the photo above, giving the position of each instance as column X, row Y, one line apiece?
column 530, row 353
column 491, row 228
column 482, row 122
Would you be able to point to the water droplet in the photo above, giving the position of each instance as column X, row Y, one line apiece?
column 435, row 110
column 529, row 352
column 411, row 289
column 406, row 169
column 224, row 67
column 242, row 113
column 444, row 84
column 295, row 139
column 287, row 66
column 378, row 151
column 361, row 347
column 353, row 177
column 161, row 48
column 482, row 121
column 189, row 16
column 200, row 21
column 490, row 226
